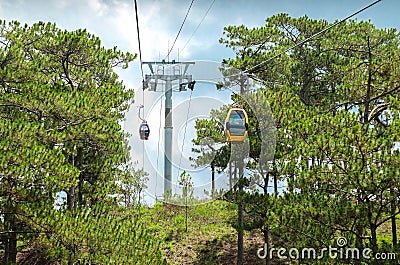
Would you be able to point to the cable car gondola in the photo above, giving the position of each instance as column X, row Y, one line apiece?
column 144, row 131
column 236, row 125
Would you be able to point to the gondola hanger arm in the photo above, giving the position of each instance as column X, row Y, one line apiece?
column 140, row 108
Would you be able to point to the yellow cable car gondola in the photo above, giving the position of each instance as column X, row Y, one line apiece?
column 144, row 131
column 236, row 125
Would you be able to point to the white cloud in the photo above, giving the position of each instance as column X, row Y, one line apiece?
column 61, row 3
column 159, row 23
column 2, row 9
column 154, row 32
column 98, row 6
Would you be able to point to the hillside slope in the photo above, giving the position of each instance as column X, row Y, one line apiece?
column 210, row 238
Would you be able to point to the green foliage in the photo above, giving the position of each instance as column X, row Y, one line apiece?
column 98, row 235
column 131, row 183
column 185, row 180
column 335, row 103
column 61, row 107
column 208, row 230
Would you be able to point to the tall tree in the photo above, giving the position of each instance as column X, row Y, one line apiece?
column 61, row 106
column 335, row 101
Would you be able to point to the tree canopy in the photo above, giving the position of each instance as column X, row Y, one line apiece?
column 335, row 102
column 63, row 150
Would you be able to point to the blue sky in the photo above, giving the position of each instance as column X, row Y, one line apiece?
column 159, row 20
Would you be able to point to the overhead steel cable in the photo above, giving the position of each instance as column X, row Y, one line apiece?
column 198, row 26
column 141, row 70
column 140, row 52
column 138, row 39
column 184, row 133
column 158, row 145
column 180, row 29
column 251, row 70
column 187, row 116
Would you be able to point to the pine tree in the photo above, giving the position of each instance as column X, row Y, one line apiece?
column 61, row 108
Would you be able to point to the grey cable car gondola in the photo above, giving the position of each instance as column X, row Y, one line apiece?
column 144, row 131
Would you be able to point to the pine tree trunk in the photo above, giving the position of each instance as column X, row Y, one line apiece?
column 71, row 198
column 394, row 232
column 266, row 181
column 266, row 242
column 240, row 218
column 359, row 243
column 71, row 204
column 240, row 202
column 373, row 240
column 78, row 162
column 230, row 175
column 71, row 193
column 240, row 232
column 80, row 191
column 10, row 253
column 393, row 219
column 359, row 240
column 212, row 180
column 235, row 178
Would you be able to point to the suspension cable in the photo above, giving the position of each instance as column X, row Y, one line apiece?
column 140, row 51
column 180, row 29
column 158, row 146
column 141, row 70
column 251, row 70
column 184, row 132
column 138, row 39
column 198, row 26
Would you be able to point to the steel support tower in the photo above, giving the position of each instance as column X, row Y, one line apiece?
column 167, row 73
